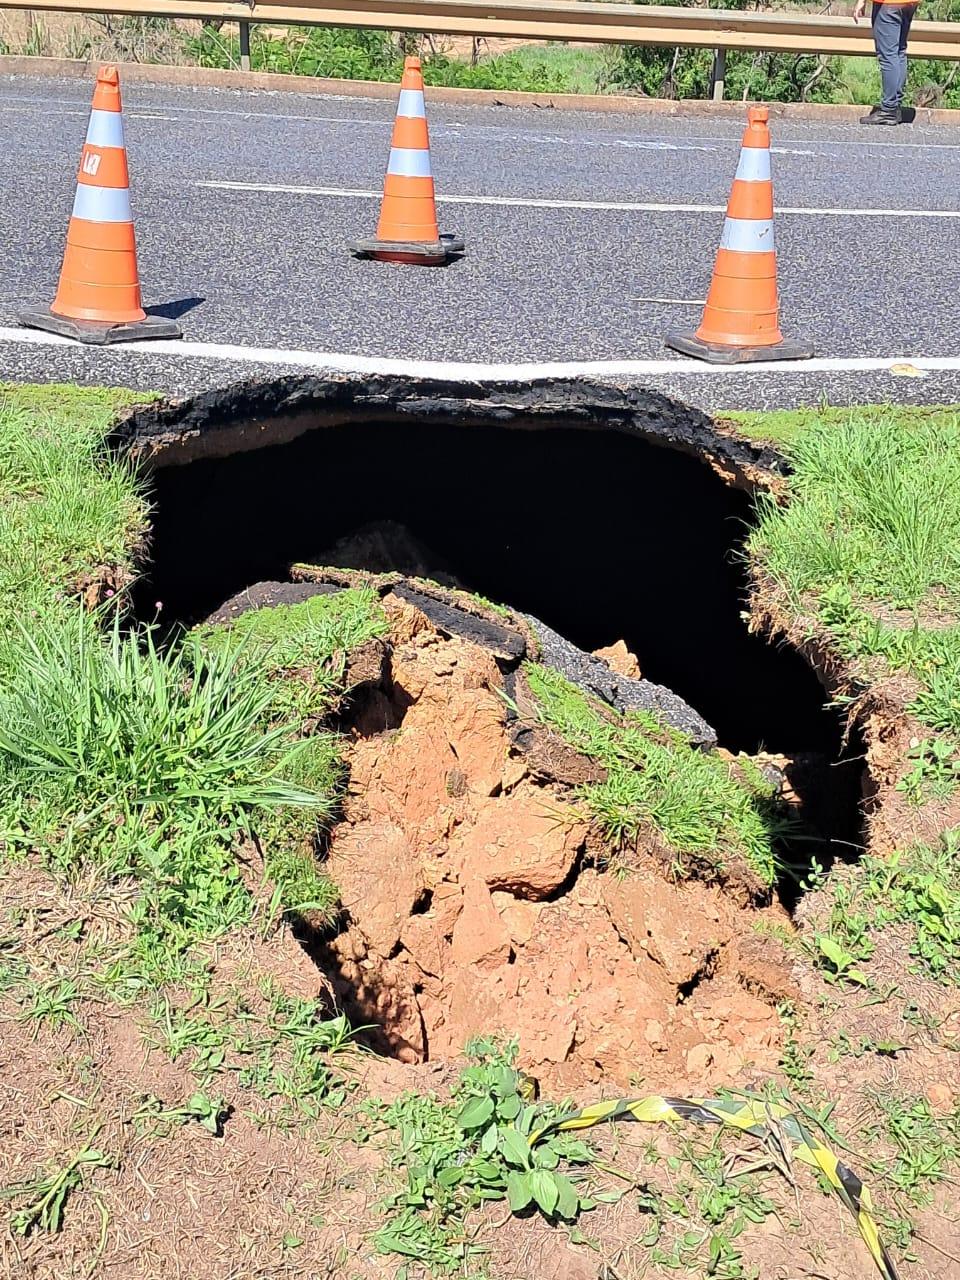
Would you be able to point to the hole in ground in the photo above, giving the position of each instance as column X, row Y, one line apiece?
column 602, row 536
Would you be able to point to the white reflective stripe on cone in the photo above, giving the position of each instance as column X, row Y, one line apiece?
column 105, row 129
column 748, row 235
column 102, row 204
column 754, row 165
column 411, row 103
column 409, row 162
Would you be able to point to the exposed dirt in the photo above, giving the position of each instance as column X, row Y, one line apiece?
column 173, row 1200
column 473, row 904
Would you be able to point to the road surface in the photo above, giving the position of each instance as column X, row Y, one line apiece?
column 588, row 235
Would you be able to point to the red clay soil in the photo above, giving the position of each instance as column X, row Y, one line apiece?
column 473, row 905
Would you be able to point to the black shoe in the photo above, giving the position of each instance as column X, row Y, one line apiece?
column 882, row 115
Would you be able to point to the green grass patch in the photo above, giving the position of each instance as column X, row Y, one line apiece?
column 870, row 543
column 301, row 650
column 342, row 53
column 706, row 810
column 916, row 890
column 299, row 655
column 145, row 762
column 783, row 426
column 67, row 512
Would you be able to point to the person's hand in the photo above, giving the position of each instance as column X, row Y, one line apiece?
column 859, row 9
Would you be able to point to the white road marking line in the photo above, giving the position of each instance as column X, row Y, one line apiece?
column 620, row 206
column 455, row 370
column 787, row 147
column 192, row 115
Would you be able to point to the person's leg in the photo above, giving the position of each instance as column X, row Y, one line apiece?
column 886, row 38
column 906, row 17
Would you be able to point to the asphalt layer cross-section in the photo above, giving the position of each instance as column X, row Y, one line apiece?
column 270, row 269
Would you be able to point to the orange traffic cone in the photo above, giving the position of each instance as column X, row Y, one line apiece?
column 740, row 320
column 407, row 231
column 98, row 299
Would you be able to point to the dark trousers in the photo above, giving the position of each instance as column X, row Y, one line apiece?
column 891, row 27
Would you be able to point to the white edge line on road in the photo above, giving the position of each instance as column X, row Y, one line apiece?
column 454, row 370
column 617, row 205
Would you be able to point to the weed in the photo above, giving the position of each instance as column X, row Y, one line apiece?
column 655, row 778
column 476, row 1148
column 794, row 1056
column 287, row 1056
column 935, row 772
column 153, row 1117
column 378, row 55
column 187, row 1029
column 282, row 1055
column 843, row 1047
column 52, row 1003
column 695, row 1225
column 921, row 888
column 47, row 1194
column 924, row 1144
column 839, row 964
column 917, row 889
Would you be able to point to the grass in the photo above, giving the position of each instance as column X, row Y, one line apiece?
column 68, row 515
column 143, row 764
column 875, row 508
column 310, row 641
column 869, row 543
column 782, row 427
column 298, row 655
column 706, row 810
column 140, row 761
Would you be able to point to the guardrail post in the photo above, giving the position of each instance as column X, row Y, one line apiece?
column 244, row 46
column 719, row 73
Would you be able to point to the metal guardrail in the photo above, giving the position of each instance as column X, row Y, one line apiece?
column 576, row 20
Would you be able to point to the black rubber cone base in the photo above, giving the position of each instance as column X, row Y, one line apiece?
column 100, row 335
column 687, row 342
column 428, row 255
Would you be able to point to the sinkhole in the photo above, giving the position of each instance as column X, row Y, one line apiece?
column 609, row 514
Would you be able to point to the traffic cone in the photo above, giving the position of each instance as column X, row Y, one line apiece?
column 98, row 299
column 407, row 231
column 740, row 320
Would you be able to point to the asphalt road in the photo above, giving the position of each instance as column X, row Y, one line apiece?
column 268, row 269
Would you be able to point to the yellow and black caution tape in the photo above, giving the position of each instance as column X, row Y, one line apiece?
column 750, row 1115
